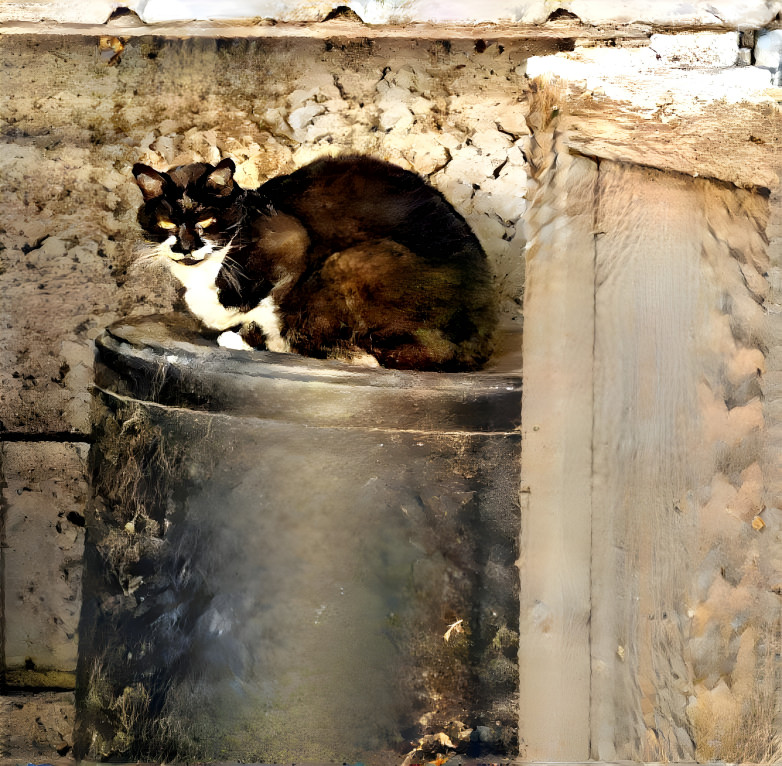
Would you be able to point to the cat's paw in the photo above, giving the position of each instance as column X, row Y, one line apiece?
column 231, row 339
column 358, row 358
column 365, row 360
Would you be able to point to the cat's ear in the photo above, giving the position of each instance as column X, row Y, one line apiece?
column 221, row 180
column 149, row 181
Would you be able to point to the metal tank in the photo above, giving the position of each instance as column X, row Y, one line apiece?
column 296, row 560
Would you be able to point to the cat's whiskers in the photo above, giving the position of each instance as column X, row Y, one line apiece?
column 150, row 253
column 232, row 271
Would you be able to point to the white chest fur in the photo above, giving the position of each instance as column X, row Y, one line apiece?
column 202, row 298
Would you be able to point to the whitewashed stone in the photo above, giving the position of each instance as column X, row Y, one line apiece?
column 422, row 151
column 395, row 115
column 635, row 75
column 329, row 125
column 470, row 166
column 504, row 196
column 412, row 78
column 749, row 13
column 768, row 52
column 457, row 191
column 724, row 12
column 491, row 142
column 300, row 118
column 90, row 11
column 487, row 229
column 421, row 106
column 512, row 119
column 702, row 49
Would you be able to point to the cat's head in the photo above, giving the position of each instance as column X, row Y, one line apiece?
column 191, row 211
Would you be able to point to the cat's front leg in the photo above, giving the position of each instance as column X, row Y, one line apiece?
column 260, row 328
column 356, row 357
column 266, row 321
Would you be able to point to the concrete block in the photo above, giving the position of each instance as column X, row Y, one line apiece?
column 44, row 500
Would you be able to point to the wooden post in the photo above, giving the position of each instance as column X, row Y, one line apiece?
column 556, row 458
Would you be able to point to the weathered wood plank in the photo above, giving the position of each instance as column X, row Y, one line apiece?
column 684, row 620
column 738, row 143
column 647, row 290
column 556, row 463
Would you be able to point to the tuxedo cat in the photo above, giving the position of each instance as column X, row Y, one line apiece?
column 349, row 258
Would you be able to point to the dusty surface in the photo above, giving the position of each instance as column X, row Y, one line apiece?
column 36, row 727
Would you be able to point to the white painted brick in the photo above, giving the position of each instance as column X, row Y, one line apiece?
column 702, row 49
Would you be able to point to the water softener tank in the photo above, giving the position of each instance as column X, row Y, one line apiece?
column 296, row 560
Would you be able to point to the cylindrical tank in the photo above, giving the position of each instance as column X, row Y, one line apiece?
column 296, row 560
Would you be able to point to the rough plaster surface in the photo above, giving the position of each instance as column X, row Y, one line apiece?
column 750, row 13
column 768, row 52
column 44, row 496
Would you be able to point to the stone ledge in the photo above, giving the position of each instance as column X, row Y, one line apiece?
column 700, row 12
column 43, row 678
column 249, row 28
column 258, row 27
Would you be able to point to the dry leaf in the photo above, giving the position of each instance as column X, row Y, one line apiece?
column 454, row 627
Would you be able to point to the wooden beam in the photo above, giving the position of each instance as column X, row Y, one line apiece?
column 556, row 459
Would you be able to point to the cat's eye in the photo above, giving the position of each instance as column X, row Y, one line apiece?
column 206, row 222
column 167, row 225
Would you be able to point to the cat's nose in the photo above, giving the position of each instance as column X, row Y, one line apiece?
column 187, row 239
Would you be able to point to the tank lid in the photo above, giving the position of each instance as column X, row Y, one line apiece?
column 165, row 360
